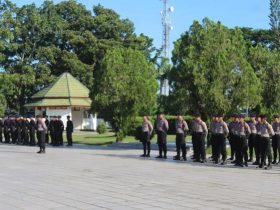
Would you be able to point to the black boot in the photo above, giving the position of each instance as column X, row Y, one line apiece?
column 40, row 151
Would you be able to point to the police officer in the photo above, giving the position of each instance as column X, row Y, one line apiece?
column 252, row 137
column 220, row 132
column 233, row 137
column 257, row 141
column 199, row 133
column 60, row 127
column 69, row 131
column 32, row 131
column 51, row 130
column 162, row 128
column 18, row 129
column 147, row 129
column 181, row 132
column 276, row 139
column 212, row 137
column 25, row 129
column 41, row 134
column 1, row 129
column 13, row 129
column 47, row 122
column 243, row 132
column 266, row 131
column 7, row 135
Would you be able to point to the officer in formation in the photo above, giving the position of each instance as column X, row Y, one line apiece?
column 147, row 130
column 276, row 139
column 69, row 131
column 56, row 128
column 162, row 128
column 199, row 134
column 16, row 129
column 181, row 133
column 219, row 131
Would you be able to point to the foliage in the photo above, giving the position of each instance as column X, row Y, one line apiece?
column 211, row 73
column 128, row 87
column 38, row 44
column 267, row 66
column 2, row 104
column 101, row 128
column 275, row 20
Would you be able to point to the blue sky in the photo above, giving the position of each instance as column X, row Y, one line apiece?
column 145, row 14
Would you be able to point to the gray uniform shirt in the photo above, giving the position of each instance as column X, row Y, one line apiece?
column 266, row 130
column 243, row 129
column 181, row 126
column 147, row 126
column 219, row 128
column 232, row 128
column 276, row 128
column 199, row 127
column 258, row 127
column 162, row 125
column 252, row 126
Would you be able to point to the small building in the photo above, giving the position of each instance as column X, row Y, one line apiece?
column 65, row 96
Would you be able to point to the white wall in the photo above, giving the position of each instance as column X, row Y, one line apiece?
column 77, row 118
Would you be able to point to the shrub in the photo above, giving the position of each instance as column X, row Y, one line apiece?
column 101, row 128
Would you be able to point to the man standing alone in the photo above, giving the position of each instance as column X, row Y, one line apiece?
column 69, row 131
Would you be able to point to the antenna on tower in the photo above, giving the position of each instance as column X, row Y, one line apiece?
column 167, row 28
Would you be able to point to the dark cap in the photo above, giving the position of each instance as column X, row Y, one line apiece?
column 241, row 116
column 263, row 116
column 276, row 116
column 220, row 115
column 253, row 115
column 197, row 114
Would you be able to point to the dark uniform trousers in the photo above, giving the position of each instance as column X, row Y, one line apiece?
column 252, row 140
column 6, row 135
column 199, row 146
column 181, row 145
column 276, row 147
column 146, row 143
column 69, row 138
column 241, row 149
column 265, row 150
column 162, row 147
column 214, row 146
column 1, row 135
column 232, row 142
column 32, row 137
column 41, row 136
column 257, row 147
column 220, row 147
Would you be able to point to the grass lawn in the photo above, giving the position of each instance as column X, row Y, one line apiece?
column 91, row 138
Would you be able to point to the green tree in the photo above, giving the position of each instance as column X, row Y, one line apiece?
column 267, row 66
column 211, row 73
column 127, row 88
column 275, row 20
column 39, row 43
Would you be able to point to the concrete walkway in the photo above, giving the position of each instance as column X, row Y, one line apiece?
column 86, row 177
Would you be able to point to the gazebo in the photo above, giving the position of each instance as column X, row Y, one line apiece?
column 65, row 96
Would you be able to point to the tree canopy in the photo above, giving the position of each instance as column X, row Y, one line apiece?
column 211, row 73
column 127, row 88
column 39, row 43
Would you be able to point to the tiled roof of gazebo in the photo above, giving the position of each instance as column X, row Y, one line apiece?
column 66, row 90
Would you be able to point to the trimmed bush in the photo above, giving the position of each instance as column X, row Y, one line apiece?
column 101, row 128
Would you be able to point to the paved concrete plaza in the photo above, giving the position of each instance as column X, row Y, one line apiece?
column 108, row 178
